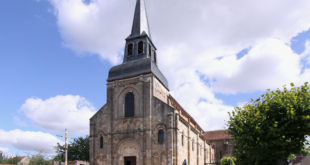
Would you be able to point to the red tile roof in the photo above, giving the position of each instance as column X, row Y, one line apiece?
column 217, row 135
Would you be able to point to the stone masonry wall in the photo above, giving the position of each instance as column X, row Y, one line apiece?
column 138, row 135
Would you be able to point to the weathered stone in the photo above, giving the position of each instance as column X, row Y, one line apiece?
column 138, row 136
column 151, row 108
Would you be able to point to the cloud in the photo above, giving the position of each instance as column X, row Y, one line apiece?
column 199, row 100
column 96, row 27
column 212, row 116
column 198, row 43
column 101, row 26
column 29, row 141
column 269, row 64
column 6, row 152
column 60, row 112
column 4, row 149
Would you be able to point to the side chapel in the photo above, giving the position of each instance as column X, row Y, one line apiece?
column 141, row 123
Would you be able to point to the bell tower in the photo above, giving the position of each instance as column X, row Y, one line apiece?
column 138, row 43
column 140, row 124
column 140, row 52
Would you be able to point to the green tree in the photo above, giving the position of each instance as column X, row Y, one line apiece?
column 267, row 130
column 77, row 150
column 38, row 159
column 4, row 159
column 228, row 161
column 13, row 160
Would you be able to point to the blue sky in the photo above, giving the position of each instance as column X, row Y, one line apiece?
column 34, row 63
column 56, row 54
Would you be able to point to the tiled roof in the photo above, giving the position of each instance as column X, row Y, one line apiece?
column 178, row 107
column 217, row 135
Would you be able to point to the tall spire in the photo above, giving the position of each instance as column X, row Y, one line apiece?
column 140, row 53
column 140, row 21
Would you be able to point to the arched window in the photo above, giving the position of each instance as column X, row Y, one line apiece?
column 101, row 141
column 155, row 56
column 129, row 105
column 161, row 136
column 129, row 49
column 140, row 47
column 193, row 145
column 150, row 51
column 182, row 137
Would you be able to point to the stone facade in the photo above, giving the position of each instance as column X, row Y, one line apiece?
column 138, row 136
column 24, row 160
column 141, row 123
column 78, row 162
column 221, row 141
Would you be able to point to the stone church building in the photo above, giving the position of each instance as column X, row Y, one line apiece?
column 141, row 123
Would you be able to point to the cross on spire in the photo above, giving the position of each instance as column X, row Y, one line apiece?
column 140, row 24
column 140, row 52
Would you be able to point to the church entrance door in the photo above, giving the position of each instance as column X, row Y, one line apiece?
column 130, row 160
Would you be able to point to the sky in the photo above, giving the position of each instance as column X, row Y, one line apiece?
column 216, row 54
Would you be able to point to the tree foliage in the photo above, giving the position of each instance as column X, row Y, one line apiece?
column 228, row 161
column 4, row 159
column 77, row 150
column 39, row 159
column 269, row 129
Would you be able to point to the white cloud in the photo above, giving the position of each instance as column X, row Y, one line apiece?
column 212, row 116
column 191, row 37
column 60, row 112
column 6, row 152
column 199, row 100
column 269, row 64
column 4, row 149
column 97, row 27
column 29, row 141
column 101, row 26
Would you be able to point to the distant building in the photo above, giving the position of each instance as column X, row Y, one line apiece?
column 24, row 160
column 301, row 160
column 58, row 163
column 221, row 141
column 75, row 162
column 78, row 162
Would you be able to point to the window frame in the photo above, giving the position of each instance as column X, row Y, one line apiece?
column 150, row 50
column 101, row 142
column 129, row 105
column 182, row 138
column 193, row 145
column 161, row 136
column 155, row 58
column 140, row 49
column 130, row 53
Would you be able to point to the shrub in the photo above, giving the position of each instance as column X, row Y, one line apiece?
column 228, row 161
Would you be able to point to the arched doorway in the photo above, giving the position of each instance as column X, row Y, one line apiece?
column 129, row 153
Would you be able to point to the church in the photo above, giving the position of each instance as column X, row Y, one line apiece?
column 141, row 123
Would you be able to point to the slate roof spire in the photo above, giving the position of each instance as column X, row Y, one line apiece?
column 140, row 55
column 140, row 22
